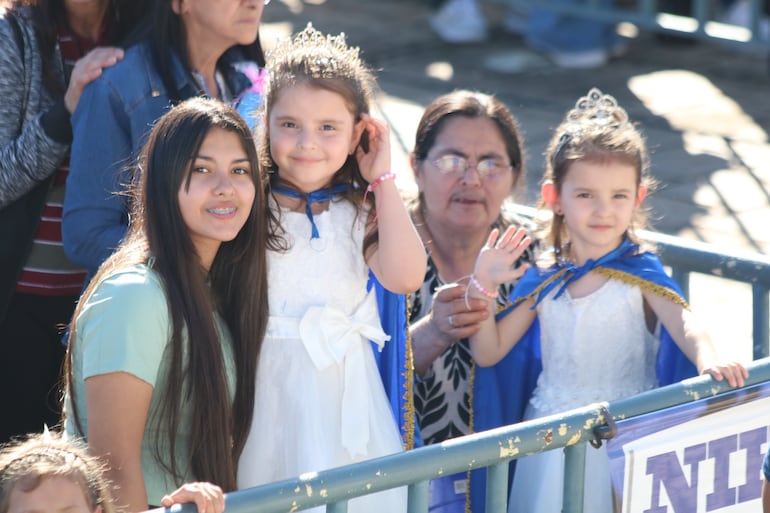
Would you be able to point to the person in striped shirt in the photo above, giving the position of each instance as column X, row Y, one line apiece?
column 49, row 51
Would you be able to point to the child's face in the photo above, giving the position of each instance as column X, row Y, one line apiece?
column 54, row 494
column 312, row 132
column 598, row 200
column 221, row 193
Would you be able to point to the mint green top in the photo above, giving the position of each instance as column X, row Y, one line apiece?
column 125, row 327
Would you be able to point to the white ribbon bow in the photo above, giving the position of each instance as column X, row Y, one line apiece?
column 332, row 338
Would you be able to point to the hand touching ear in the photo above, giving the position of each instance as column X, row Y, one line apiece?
column 374, row 161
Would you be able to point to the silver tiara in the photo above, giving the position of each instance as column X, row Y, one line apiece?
column 592, row 111
column 326, row 53
column 597, row 109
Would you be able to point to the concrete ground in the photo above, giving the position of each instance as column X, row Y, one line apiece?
column 704, row 108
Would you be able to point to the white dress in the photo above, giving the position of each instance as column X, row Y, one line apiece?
column 595, row 348
column 320, row 402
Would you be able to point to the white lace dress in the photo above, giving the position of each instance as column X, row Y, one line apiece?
column 595, row 348
column 320, row 402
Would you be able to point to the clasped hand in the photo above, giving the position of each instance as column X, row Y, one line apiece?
column 457, row 312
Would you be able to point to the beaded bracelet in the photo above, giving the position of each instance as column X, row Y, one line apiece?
column 378, row 181
column 371, row 187
column 480, row 288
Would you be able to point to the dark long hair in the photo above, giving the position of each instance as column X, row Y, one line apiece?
column 122, row 18
column 237, row 289
column 167, row 36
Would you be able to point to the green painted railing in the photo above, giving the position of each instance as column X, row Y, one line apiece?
column 494, row 449
column 491, row 449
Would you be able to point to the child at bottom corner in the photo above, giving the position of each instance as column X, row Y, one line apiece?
column 46, row 472
column 612, row 322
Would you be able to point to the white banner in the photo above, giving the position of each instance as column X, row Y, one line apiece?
column 702, row 457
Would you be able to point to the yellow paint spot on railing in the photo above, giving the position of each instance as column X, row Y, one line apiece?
column 575, row 439
column 511, row 450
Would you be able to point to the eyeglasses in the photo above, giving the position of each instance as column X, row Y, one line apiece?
column 456, row 165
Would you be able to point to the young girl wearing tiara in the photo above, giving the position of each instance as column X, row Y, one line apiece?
column 320, row 402
column 46, row 472
column 602, row 302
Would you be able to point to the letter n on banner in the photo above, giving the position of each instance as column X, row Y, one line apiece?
column 701, row 457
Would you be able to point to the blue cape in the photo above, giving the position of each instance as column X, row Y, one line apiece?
column 499, row 395
column 629, row 265
column 395, row 361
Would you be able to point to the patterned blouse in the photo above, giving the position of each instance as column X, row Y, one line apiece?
column 442, row 396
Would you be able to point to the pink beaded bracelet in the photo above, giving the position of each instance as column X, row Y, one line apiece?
column 377, row 181
column 490, row 295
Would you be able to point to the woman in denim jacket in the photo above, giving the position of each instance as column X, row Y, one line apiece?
column 193, row 48
column 49, row 50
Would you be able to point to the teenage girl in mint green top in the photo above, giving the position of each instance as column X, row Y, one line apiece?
column 163, row 348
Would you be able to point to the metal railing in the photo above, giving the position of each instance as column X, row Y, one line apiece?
column 646, row 15
column 686, row 257
column 495, row 448
column 492, row 449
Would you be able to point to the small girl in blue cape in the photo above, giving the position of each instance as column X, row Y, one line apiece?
column 611, row 322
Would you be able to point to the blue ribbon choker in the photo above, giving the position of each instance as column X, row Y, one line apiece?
column 318, row 196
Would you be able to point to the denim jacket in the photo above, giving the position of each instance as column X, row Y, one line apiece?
column 110, row 124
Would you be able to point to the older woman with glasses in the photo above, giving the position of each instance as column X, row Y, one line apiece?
column 467, row 160
column 193, row 48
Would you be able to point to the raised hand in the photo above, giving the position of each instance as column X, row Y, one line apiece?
column 495, row 262
column 375, row 161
